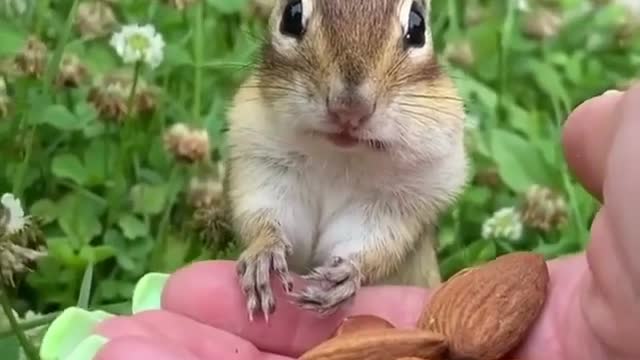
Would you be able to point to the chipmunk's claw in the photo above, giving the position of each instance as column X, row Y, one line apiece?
column 254, row 271
column 335, row 284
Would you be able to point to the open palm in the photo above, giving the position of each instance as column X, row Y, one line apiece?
column 591, row 314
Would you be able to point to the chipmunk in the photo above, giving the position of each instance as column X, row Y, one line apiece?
column 345, row 145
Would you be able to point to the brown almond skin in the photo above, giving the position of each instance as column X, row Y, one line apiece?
column 380, row 344
column 356, row 323
column 485, row 312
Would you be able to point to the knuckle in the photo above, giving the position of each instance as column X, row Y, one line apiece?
column 280, row 266
column 263, row 287
column 268, row 302
column 252, row 304
column 262, row 274
column 241, row 268
column 271, row 308
column 247, row 287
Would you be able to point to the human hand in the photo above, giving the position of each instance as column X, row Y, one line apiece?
column 591, row 313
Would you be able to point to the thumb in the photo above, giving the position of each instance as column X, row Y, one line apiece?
column 611, row 306
column 622, row 187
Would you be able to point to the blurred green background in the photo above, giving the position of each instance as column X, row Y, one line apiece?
column 113, row 189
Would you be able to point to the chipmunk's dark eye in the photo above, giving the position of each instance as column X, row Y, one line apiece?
column 416, row 27
column 292, row 22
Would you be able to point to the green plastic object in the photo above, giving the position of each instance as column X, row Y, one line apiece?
column 88, row 348
column 147, row 294
column 71, row 336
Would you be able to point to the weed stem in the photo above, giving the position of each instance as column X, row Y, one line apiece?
column 48, row 318
column 198, row 50
column 134, row 88
column 29, row 349
column 59, row 51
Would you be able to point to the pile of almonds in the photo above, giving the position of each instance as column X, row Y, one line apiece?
column 481, row 313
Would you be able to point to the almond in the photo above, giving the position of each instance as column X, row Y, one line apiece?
column 380, row 344
column 484, row 312
column 358, row 323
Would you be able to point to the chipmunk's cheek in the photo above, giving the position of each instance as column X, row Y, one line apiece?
column 386, row 125
column 383, row 131
column 303, row 114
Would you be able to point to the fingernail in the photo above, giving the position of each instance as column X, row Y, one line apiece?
column 147, row 294
column 88, row 348
column 611, row 92
column 70, row 328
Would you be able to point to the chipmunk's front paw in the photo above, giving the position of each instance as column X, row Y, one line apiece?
column 336, row 284
column 254, row 270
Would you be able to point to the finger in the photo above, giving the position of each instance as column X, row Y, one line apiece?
column 209, row 292
column 613, row 292
column 142, row 348
column 587, row 138
column 149, row 348
column 622, row 186
column 558, row 314
column 613, row 313
column 198, row 339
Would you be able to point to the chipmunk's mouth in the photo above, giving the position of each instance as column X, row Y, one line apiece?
column 342, row 140
column 346, row 140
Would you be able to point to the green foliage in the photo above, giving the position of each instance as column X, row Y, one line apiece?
column 109, row 195
column 113, row 201
column 521, row 88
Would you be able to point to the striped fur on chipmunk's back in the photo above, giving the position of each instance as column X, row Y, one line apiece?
column 346, row 144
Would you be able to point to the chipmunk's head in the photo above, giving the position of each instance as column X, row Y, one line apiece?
column 360, row 75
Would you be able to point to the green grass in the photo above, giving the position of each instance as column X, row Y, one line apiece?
column 113, row 204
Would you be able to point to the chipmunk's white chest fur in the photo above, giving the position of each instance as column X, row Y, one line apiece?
column 330, row 202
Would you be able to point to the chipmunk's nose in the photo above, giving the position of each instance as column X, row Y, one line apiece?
column 349, row 112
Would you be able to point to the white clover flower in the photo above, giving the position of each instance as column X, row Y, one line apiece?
column 17, row 219
column 505, row 223
column 139, row 43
